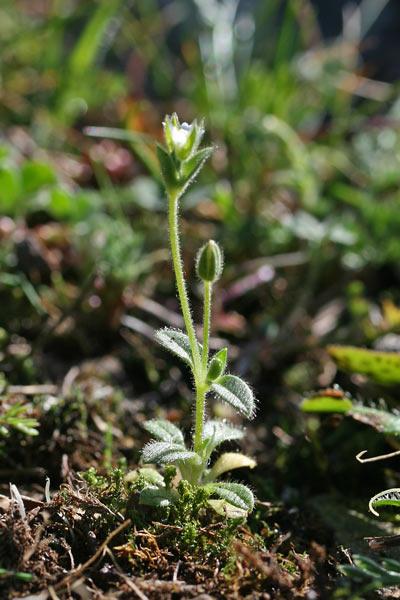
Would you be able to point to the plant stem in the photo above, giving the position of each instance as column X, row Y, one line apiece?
column 199, row 362
column 206, row 325
column 180, row 282
column 200, row 404
column 201, row 389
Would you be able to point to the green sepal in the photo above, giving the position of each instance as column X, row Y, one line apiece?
column 191, row 167
column 167, row 133
column 168, row 170
column 209, row 262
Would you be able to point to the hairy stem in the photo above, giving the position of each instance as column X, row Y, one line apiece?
column 180, row 282
column 200, row 406
column 206, row 325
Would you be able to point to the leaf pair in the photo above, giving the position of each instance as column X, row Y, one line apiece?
column 229, row 388
column 231, row 494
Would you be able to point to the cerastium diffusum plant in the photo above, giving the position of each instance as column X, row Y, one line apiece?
column 180, row 163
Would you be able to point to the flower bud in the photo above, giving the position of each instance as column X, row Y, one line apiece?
column 182, row 139
column 209, row 262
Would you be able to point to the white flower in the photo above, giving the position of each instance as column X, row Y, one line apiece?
column 182, row 139
column 180, row 135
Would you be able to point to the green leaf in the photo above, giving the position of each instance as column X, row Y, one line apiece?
column 390, row 497
column 235, row 493
column 222, row 355
column 36, row 175
column 385, row 573
column 217, row 365
column 224, row 509
column 152, row 477
column 237, row 393
column 391, row 565
column 153, row 496
column 27, row 426
column 383, row 367
column 3, row 430
column 357, row 574
column 164, row 453
column 192, row 166
column 93, row 37
column 216, row 432
column 370, row 566
column 176, row 342
column 321, row 403
column 16, row 409
column 227, row 462
column 17, row 575
column 382, row 420
column 168, row 170
column 165, row 431
column 215, row 369
column 10, row 189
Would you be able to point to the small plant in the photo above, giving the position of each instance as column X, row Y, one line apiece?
column 14, row 417
column 180, row 163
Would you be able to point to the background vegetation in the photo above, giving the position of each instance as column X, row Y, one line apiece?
column 302, row 192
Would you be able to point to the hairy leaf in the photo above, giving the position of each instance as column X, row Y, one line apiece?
column 227, row 462
column 383, row 367
column 216, row 432
column 389, row 497
column 235, row 392
column 224, row 509
column 164, row 453
column 382, row 420
column 235, row 493
column 164, row 430
column 154, row 496
column 176, row 342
